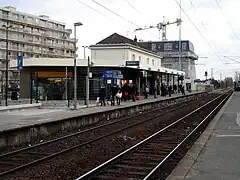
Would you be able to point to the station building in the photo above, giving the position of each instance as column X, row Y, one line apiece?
column 115, row 59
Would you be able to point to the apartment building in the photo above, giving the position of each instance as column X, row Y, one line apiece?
column 31, row 37
column 169, row 50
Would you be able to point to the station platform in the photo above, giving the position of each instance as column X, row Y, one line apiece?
column 25, row 126
column 215, row 156
column 28, row 117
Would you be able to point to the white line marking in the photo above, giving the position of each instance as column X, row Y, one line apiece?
column 238, row 119
column 46, row 119
column 229, row 135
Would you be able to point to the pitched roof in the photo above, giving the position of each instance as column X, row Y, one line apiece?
column 117, row 39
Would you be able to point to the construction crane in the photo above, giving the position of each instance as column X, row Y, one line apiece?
column 161, row 26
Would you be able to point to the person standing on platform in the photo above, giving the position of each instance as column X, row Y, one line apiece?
column 118, row 97
column 169, row 90
column 114, row 90
column 146, row 91
column 155, row 91
column 133, row 92
column 102, row 96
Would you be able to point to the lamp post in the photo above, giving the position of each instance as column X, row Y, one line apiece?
column 87, row 82
column 6, row 26
column 87, row 77
column 75, row 63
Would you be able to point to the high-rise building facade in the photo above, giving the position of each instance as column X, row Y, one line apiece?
column 31, row 36
column 169, row 50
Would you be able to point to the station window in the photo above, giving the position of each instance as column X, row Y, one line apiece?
column 133, row 57
column 139, row 58
column 147, row 60
column 153, row 62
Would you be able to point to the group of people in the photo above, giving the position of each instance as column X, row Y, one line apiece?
column 130, row 91
column 118, row 94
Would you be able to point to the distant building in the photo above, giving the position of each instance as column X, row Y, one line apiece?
column 117, row 49
column 114, row 60
column 32, row 37
column 169, row 50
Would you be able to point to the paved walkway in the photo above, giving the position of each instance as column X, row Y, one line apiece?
column 15, row 119
column 215, row 156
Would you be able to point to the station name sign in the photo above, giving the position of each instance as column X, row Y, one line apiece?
column 132, row 63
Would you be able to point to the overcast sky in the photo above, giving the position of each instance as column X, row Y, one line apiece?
column 217, row 35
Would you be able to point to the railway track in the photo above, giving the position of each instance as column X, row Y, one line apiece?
column 156, row 156
column 23, row 158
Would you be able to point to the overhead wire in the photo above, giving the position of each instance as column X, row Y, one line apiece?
column 125, row 19
column 234, row 32
column 232, row 59
column 132, row 6
column 193, row 6
column 115, row 13
column 93, row 8
column 205, row 39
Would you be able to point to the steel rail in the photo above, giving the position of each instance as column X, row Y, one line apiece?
column 81, row 132
column 186, row 138
column 82, row 144
column 96, row 169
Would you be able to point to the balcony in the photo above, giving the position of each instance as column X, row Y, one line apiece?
column 34, row 22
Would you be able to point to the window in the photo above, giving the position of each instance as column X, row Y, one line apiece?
column 147, row 60
column 23, row 45
column 133, row 57
column 167, row 46
column 184, row 46
column 153, row 47
column 153, row 62
column 139, row 58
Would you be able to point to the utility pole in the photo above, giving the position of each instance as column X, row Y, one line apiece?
column 84, row 56
column 87, row 82
column 180, row 36
column 6, row 26
column 212, row 73
column 66, row 85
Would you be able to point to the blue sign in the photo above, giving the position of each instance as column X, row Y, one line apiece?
column 20, row 62
column 108, row 74
column 117, row 76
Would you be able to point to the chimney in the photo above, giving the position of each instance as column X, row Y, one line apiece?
column 135, row 39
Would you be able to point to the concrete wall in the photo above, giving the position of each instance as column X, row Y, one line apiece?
column 36, row 132
column 198, row 87
column 110, row 56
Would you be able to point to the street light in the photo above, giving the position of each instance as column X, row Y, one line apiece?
column 75, row 63
column 6, row 26
column 87, row 76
